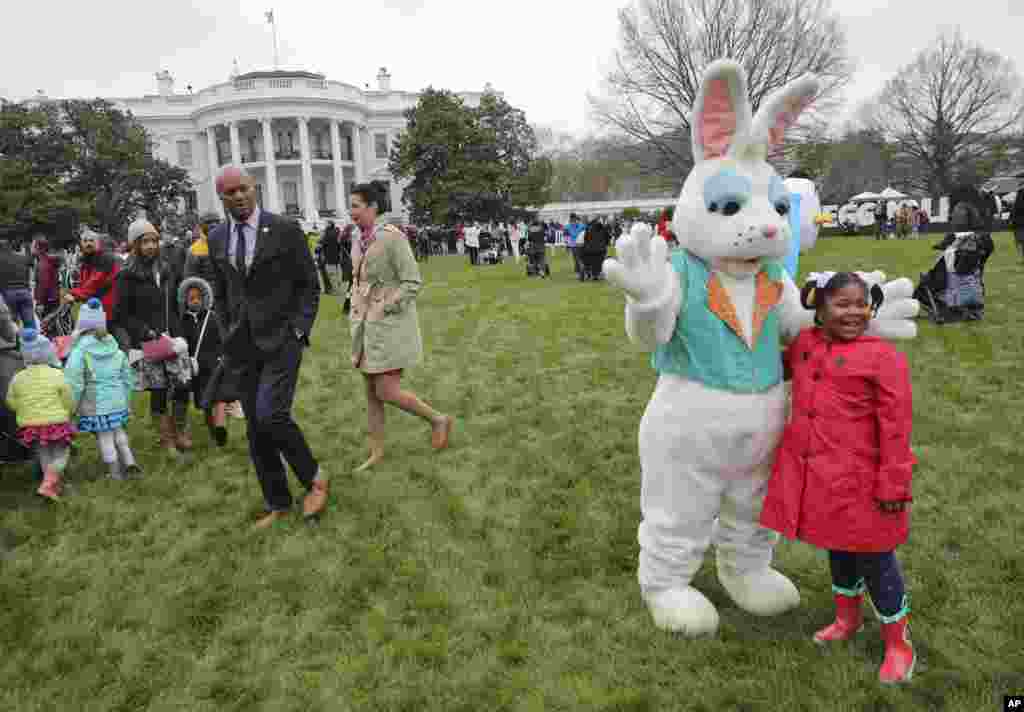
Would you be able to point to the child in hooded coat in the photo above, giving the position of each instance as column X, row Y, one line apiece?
column 201, row 327
column 102, row 382
column 42, row 402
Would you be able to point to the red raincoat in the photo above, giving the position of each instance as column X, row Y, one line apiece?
column 846, row 447
column 98, row 278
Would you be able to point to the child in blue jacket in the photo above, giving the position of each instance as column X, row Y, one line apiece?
column 102, row 383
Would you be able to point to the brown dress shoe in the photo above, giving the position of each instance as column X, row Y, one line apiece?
column 441, row 433
column 316, row 500
column 269, row 519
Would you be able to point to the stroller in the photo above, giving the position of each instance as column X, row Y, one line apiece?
column 954, row 288
column 490, row 249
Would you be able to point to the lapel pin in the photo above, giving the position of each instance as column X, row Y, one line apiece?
column 840, row 361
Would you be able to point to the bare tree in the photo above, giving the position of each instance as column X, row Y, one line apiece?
column 952, row 112
column 666, row 44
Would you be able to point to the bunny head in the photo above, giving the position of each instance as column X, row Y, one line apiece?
column 733, row 211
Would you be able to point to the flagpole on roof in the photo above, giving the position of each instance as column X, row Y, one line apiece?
column 273, row 25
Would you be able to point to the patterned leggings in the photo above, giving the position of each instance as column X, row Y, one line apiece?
column 879, row 573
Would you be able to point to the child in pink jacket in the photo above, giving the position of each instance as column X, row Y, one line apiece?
column 842, row 473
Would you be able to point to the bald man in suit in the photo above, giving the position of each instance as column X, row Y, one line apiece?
column 266, row 278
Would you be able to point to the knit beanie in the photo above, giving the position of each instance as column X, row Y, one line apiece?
column 139, row 228
column 91, row 316
column 36, row 348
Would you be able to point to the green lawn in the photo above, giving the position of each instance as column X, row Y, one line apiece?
column 500, row 574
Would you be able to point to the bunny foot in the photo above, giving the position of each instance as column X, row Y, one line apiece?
column 762, row 593
column 685, row 611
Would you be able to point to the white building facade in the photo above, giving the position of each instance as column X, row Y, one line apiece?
column 305, row 139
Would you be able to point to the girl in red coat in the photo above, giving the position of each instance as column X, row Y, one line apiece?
column 842, row 473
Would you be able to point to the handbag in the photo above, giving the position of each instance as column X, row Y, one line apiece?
column 158, row 349
column 224, row 385
column 162, row 347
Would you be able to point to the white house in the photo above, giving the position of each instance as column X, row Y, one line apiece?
column 305, row 139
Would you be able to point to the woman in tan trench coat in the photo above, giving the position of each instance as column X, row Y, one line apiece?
column 385, row 329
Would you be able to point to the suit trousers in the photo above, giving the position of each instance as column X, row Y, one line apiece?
column 268, row 384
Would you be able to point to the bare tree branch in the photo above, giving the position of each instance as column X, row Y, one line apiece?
column 950, row 112
column 664, row 46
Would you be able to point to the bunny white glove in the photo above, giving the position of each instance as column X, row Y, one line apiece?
column 642, row 270
column 653, row 295
column 894, row 318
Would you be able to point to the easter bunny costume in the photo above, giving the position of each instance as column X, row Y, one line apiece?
column 714, row 313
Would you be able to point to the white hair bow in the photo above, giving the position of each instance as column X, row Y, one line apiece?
column 820, row 279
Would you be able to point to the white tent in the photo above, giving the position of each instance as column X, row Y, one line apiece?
column 891, row 194
column 864, row 197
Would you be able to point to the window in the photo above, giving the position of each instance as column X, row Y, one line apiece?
column 286, row 146
column 255, row 149
column 380, row 145
column 320, row 150
column 321, row 195
column 386, row 206
column 259, row 195
column 191, row 201
column 347, row 148
column 185, row 154
column 291, row 196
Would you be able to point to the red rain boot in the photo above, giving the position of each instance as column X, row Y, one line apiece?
column 849, row 620
column 899, row 661
column 50, row 488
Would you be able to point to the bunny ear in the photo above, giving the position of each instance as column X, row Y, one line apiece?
column 781, row 110
column 721, row 113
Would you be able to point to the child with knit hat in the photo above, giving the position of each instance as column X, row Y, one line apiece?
column 102, row 382
column 42, row 402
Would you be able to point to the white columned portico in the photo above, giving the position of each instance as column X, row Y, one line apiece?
column 236, row 149
column 357, row 152
column 340, row 209
column 273, row 203
column 307, row 169
column 211, row 159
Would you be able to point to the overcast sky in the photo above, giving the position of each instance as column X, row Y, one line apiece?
column 545, row 55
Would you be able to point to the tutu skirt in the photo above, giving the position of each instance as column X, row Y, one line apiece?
column 54, row 434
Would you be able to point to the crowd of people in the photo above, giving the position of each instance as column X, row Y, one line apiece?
column 218, row 322
column 908, row 220
column 146, row 321
column 151, row 317
column 586, row 241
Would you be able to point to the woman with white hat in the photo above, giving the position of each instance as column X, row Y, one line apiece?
column 146, row 309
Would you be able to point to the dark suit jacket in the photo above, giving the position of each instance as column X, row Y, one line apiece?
column 279, row 296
